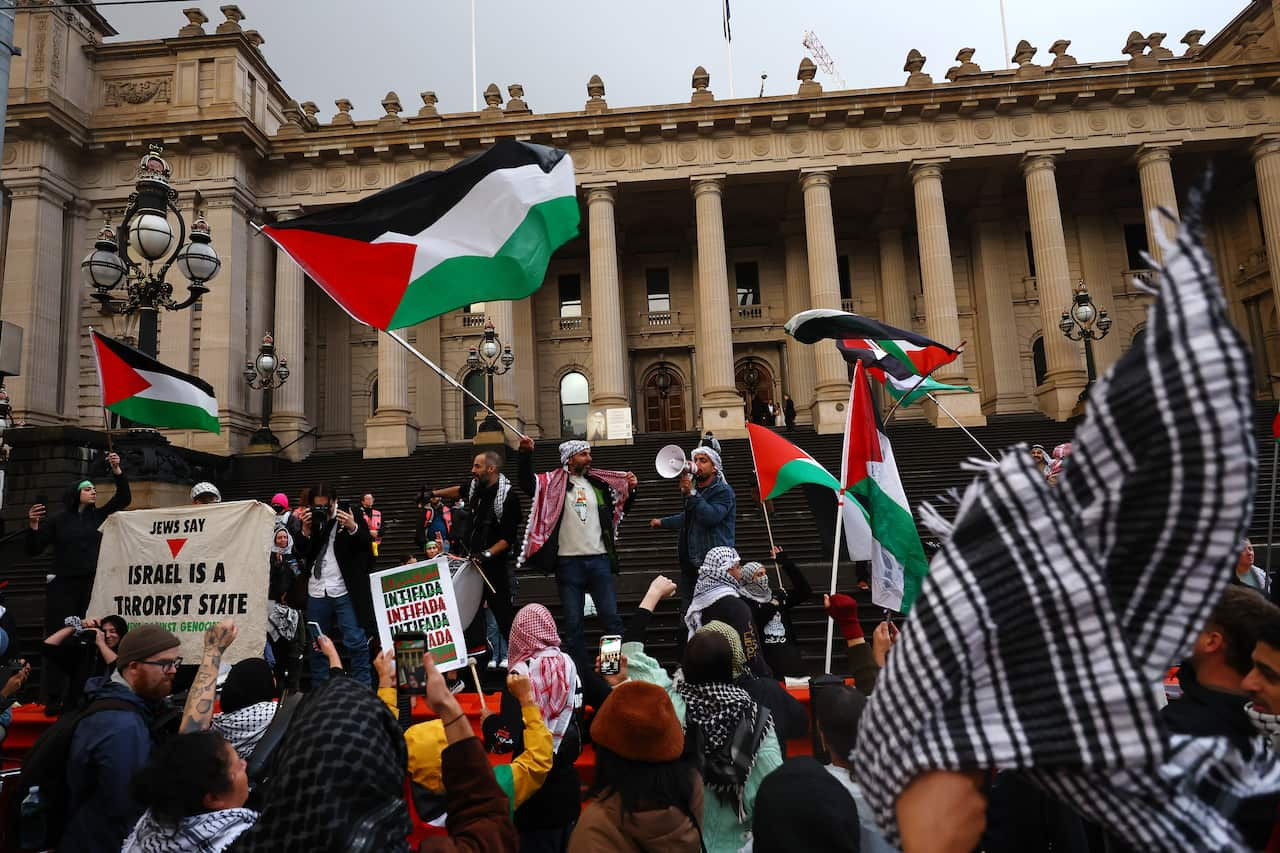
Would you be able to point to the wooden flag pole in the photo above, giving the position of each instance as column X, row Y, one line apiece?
column 475, row 677
column 764, row 507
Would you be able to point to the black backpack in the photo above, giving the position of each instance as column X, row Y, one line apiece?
column 45, row 766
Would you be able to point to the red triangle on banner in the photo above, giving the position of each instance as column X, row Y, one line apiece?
column 175, row 545
column 119, row 380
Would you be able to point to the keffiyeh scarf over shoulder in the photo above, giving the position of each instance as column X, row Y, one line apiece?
column 1125, row 558
column 534, row 650
column 208, row 832
column 548, row 499
column 714, row 583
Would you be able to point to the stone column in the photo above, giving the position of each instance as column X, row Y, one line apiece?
column 1156, row 179
column 336, row 432
column 719, row 403
column 33, row 296
column 1266, row 168
column 288, row 405
column 895, row 298
column 800, row 368
column 608, row 341
column 1002, row 388
column 525, row 368
column 832, row 388
column 223, row 323
column 938, row 279
column 428, row 386
column 75, row 309
column 1065, row 378
column 391, row 431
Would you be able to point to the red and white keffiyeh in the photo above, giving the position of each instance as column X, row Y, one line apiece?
column 534, row 650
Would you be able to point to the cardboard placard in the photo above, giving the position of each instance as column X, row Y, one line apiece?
column 419, row 598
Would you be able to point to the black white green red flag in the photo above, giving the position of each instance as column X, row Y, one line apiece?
column 137, row 387
column 869, row 472
column 899, row 359
column 480, row 231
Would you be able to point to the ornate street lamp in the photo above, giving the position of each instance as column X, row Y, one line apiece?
column 495, row 359
column 1084, row 321
column 266, row 373
column 662, row 380
column 127, row 257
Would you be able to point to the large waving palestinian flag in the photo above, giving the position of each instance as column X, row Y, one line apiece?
column 869, row 472
column 137, row 387
column 481, row 230
column 891, row 366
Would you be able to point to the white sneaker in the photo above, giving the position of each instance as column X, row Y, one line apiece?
column 492, row 664
column 503, row 665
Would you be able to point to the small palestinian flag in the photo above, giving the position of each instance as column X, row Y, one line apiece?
column 781, row 466
column 869, row 472
column 137, row 387
column 899, row 376
column 481, row 230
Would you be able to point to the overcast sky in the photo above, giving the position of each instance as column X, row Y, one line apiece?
column 645, row 52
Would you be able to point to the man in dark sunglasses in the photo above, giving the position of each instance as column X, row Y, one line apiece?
column 113, row 739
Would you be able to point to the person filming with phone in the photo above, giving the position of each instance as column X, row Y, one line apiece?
column 338, row 555
column 74, row 535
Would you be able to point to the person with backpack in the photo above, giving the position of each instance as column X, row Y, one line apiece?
column 728, row 735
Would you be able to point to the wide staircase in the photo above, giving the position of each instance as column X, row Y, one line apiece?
column 928, row 459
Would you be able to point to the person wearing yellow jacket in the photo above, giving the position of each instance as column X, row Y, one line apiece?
column 520, row 779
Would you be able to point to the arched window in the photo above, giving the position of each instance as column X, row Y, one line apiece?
column 1038, row 362
column 573, row 405
column 373, row 398
column 474, row 382
column 1141, row 334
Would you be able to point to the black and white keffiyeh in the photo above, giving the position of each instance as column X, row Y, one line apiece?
column 245, row 727
column 1051, row 612
column 714, row 583
column 208, row 832
column 716, row 708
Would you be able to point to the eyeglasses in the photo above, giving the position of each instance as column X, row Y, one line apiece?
column 166, row 665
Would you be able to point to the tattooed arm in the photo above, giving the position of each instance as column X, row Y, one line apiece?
column 198, row 713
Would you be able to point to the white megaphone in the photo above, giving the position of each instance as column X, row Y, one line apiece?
column 671, row 461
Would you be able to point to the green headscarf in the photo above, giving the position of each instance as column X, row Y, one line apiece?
column 735, row 644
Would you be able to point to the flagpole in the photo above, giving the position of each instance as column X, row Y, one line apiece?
column 943, row 409
column 728, row 45
column 919, row 382
column 475, row 87
column 835, row 565
column 764, row 507
column 455, row 383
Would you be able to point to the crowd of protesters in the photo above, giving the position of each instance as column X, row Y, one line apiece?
column 690, row 760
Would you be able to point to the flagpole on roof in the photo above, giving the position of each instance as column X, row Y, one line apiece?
column 728, row 45
column 475, row 87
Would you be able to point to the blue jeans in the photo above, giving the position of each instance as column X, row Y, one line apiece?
column 339, row 612
column 575, row 577
column 497, row 642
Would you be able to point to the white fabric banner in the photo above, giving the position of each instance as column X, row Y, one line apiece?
column 185, row 568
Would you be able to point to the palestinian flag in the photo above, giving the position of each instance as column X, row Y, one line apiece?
column 137, row 387
column 868, row 471
column 781, row 466
column 915, row 354
column 480, row 231
column 898, row 375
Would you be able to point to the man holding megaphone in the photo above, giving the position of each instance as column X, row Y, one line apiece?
column 707, row 520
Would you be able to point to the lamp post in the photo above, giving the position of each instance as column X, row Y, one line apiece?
column 495, row 359
column 127, row 257
column 267, row 372
column 1084, row 321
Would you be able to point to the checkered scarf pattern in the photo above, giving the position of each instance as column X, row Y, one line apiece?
column 337, row 779
column 1051, row 613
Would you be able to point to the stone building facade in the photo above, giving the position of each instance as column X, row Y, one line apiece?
column 967, row 205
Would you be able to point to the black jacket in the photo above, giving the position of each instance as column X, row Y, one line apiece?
column 484, row 528
column 545, row 557
column 355, row 561
column 74, row 533
column 733, row 611
column 782, row 653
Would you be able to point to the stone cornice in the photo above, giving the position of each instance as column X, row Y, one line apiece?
column 131, row 51
column 1060, row 91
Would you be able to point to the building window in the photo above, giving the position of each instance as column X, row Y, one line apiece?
column 1135, row 243
column 474, row 382
column 1031, row 256
column 573, row 405
column 657, row 284
column 846, row 283
column 1038, row 363
column 373, row 398
column 570, row 295
column 747, row 276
